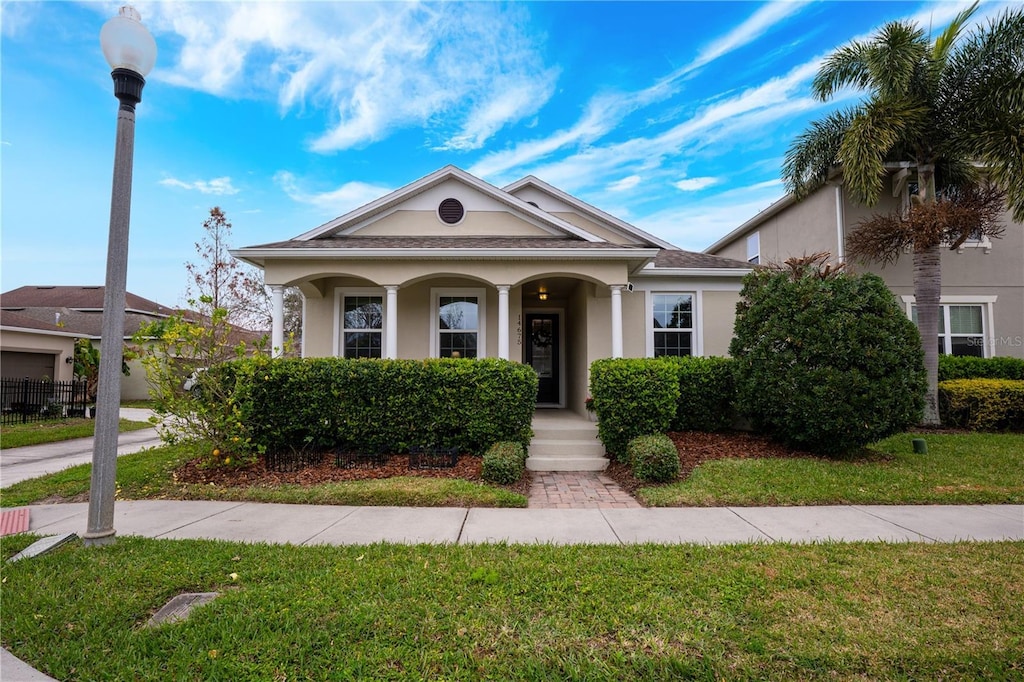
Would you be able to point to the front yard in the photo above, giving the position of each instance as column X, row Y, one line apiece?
column 718, row 470
column 832, row 611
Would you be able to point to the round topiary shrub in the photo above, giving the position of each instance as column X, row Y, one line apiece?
column 653, row 458
column 503, row 463
column 824, row 360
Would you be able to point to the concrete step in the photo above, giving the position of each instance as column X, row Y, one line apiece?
column 566, row 464
column 565, row 433
column 543, row 447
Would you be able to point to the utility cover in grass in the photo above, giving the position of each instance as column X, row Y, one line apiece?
column 180, row 607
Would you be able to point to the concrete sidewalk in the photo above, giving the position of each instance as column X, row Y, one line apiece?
column 20, row 464
column 334, row 525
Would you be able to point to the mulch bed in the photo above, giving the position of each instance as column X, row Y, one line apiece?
column 258, row 475
column 696, row 447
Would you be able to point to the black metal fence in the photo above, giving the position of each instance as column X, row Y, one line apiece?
column 28, row 400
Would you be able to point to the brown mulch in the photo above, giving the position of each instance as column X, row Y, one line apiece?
column 696, row 447
column 258, row 475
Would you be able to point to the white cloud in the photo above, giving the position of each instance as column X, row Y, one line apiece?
column 335, row 202
column 605, row 111
column 694, row 184
column 750, row 30
column 628, row 182
column 463, row 71
column 217, row 186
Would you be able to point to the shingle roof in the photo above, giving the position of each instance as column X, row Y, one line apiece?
column 439, row 243
column 74, row 297
column 12, row 318
column 84, row 323
column 692, row 259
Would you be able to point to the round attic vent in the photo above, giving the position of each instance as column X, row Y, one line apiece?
column 451, row 211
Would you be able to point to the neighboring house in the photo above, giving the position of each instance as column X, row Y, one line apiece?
column 78, row 312
column 33, row 349
column 451, row 266
column 982, row 281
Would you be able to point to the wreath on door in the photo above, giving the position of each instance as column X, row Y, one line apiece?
column 541, row 337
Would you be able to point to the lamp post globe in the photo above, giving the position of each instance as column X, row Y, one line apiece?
column 131, row 52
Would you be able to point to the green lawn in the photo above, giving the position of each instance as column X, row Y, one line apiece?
column 149, row 475
column 17, row 435
column 968, row 468
column 809, row 612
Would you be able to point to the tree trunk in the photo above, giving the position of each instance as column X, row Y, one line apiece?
column 927, row 289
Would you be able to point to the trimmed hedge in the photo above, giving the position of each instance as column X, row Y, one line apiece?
column 653, row 458
column 632, row 397
column 825, row 363
column 982, row 404
column 504, row 462
column 968, row 367
column 706, row 394
column 380, row 405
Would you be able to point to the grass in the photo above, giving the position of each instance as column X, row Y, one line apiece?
column 144, row 404
column 831, row 611
column 150, row 475
column 17, row 435
column 969, row 468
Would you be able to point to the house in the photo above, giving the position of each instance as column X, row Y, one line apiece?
column 34, row 349
column 982, row 295
column 77, row 312
column 451, row 266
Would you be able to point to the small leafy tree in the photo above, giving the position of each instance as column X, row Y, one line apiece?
column 87, row 365
column 825, row 360
column 188, row 346
column 220, row 281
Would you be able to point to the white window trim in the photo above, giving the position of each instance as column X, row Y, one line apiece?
column 756, row 236
column 339, row 315
column 435, row 314
column 987, row 303
column 696, row 318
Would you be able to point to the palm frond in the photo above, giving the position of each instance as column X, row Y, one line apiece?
column 844, row 67
column 815, row 152
column 947, row 39
column 872, row 136
column 895, row 56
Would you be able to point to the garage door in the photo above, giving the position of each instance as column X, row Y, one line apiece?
column 18, row 365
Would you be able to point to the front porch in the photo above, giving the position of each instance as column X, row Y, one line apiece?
column 564, row 441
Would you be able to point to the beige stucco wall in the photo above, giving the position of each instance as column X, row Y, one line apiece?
column 596, row 229
column 475, row 224
column 718, row 317
column 972, row 272
column 60, row 347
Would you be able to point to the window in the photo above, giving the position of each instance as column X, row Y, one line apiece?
column 673, row 324
column 961, row 329
column 754, row 248
column 458, row 323
column 362, row 326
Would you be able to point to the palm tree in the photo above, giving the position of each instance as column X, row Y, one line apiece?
column 950, row 109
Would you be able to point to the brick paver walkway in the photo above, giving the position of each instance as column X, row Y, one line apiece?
column 577, row 490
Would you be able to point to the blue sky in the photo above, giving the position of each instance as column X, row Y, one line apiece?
column 674, row 116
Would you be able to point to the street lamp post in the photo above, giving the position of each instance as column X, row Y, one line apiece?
column 131, row 52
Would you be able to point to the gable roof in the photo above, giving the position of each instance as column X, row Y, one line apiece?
column 74, row 298
column 388, row 202
column 588, row 211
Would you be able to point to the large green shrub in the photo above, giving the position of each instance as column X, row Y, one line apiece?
column 503, row 463
column 653, row 458
column 825, row 362
column 982, row 404
column 381, row 405
column 632, row 397
column 706, row 394
column 969, row 367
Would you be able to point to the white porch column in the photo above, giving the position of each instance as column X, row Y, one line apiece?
column 391, row 323
column 503, row 321
column 277, row 320
column 617, row 321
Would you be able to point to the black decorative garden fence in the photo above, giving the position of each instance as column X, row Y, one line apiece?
column 28, row 400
